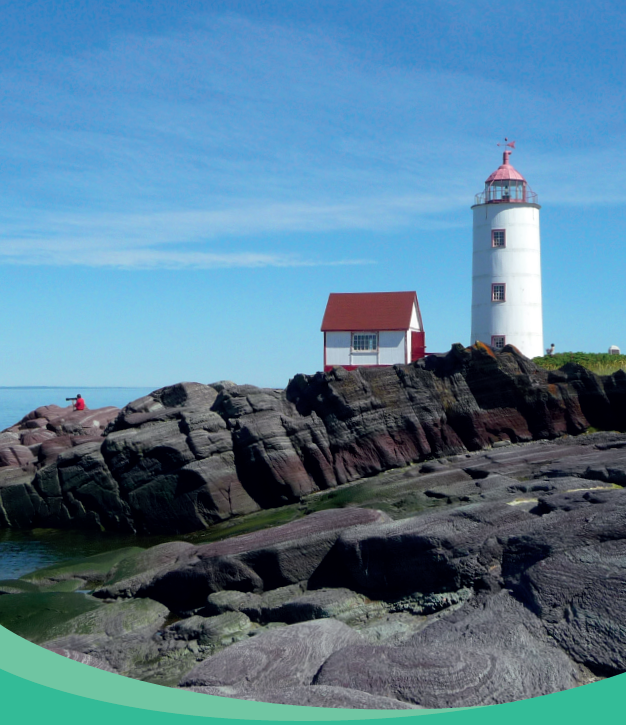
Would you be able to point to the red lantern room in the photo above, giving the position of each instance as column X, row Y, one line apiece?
column 506, row 185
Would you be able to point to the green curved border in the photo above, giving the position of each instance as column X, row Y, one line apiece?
column 36, row 683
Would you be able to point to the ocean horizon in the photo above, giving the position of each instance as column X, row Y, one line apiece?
column 18, row 401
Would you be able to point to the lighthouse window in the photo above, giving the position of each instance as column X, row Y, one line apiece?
column 498, row 292
column 498, row 238
column 497, row 342
column 364, row 342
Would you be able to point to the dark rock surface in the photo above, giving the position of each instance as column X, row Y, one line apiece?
column 495, row 572
column 480, row 602
column 289, row 655
column 250, row 563
column 190, row 455
column 580, row 596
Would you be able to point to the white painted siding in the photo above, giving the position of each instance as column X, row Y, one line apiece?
column 518, row 265
column 338, row 348
column 391, row 347
column 415, row 323
column 364, row 358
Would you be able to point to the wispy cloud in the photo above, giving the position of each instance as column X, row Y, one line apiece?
column 237, row 130
column 150, row 259
column 138, row 240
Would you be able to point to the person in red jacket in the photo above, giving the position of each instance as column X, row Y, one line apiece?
column 79, row 403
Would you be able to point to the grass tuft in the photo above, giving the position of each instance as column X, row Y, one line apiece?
column 600, row 363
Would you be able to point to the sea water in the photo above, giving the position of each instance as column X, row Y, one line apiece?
column 15, row 403
column 24, row 551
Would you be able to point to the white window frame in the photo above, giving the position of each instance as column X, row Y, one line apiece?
column 498, row 337
column 365, row 335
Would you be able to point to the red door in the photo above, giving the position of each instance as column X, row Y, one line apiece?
column 418, row 347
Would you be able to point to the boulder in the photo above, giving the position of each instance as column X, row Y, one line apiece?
column 190, row 455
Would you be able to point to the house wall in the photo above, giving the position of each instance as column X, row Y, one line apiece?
column 391, row 350
column 392, row 347
column 338, row 348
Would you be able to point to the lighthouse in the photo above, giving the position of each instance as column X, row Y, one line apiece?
column 506, row 263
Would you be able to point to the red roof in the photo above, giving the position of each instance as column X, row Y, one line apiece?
column 354, row 311
column 505, row 171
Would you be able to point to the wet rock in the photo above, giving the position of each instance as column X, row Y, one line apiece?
column 137, row 570
column 221, row 630
column 33, row 615
column 90, row 569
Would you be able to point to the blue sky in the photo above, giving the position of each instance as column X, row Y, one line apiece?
column 184, row 183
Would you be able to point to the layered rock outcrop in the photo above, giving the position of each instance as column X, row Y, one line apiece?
column 511, row 588
column 190, row 455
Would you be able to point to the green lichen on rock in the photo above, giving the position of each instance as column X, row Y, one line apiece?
column 91, row 569
column 113, row 619
column 17, row 586
column 33, row 615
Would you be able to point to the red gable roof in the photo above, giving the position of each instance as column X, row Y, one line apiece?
column 373, row 311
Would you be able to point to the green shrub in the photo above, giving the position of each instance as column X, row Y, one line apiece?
column 600, row 363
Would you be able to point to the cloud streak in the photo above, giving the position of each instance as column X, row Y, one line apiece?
column 152, row 259
column 236, row 131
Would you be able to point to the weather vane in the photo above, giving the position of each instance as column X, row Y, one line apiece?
column 507, row 143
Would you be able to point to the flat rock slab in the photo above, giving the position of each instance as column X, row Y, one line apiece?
column 290, row 655
column 488, row 654
column 580, row 596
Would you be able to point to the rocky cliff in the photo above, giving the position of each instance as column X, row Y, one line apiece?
column 516, row 590
column 191, row 455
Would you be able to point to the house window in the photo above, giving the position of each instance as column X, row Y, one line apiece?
column 498, row 292
column 498, row 238
column 364, row 341
column 497, row 342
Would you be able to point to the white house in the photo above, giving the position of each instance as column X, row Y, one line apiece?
column 372, row 329
column 506, row 265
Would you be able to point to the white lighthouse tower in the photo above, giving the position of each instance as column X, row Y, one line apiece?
column 506, row 265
